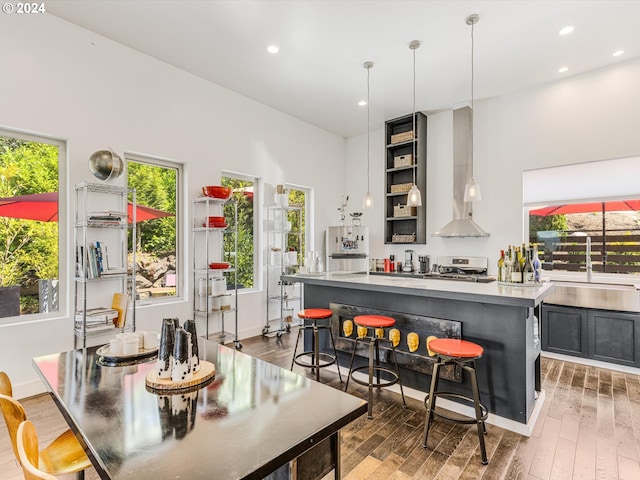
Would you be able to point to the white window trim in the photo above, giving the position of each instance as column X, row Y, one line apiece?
column 65, row 232
column 308, row 212
column 181, row 223
column 257, row 221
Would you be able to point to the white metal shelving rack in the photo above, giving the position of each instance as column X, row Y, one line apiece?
column 208, row 247
column 103, row 213
column 281, row 295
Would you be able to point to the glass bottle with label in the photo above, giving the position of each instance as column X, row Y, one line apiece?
column 528, row 275
column 537, row 265
column 501, row 267
column 516, row 269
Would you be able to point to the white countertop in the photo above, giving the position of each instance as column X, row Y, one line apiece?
column 455, row 290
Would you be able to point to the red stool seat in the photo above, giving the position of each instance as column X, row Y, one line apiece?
column 452, row 347
column 374, row 321
column 315, row 313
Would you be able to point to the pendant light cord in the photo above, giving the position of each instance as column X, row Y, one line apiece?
column 368, row 130
column 472, row 50
column 415, row 160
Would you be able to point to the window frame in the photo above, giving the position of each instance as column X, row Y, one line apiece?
column 592, row 181
column 308, row 215
column 65, row 234
column 257, row 218
column 181, row 252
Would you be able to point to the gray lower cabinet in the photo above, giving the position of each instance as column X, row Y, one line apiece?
column 596, row 334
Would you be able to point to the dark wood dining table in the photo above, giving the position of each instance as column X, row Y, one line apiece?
column 253, row 420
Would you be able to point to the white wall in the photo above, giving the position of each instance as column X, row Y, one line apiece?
column 66, row 82
column 578, row 119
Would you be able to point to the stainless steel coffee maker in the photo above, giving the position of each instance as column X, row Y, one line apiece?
column 408, row 261
column 424, row 263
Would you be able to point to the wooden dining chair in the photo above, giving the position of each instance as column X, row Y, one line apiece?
column 63, row 456
column 5, row 385
column 28, row 452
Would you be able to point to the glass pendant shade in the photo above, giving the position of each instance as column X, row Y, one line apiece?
column 472, row 191
column 367, row 201
column 414, row 198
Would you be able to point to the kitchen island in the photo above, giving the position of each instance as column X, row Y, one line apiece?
column 502, row 319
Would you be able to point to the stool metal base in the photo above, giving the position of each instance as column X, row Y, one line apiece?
column 480, row 409
column 317, row 358
column 375, row 367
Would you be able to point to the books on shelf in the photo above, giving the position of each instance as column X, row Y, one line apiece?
column 95, row 262
column 99, row 318
column 120, row 303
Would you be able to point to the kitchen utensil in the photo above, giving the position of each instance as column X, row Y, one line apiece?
column 219, row 265
column 216, row 220
column 216, row 191
column 408, row 261
column 424, row 263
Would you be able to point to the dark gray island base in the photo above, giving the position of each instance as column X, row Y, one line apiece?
column 504, row 320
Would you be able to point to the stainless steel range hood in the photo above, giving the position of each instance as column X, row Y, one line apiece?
column 462, row 224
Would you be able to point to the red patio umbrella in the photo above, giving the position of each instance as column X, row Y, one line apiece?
column 44, row 208
column 592, row 207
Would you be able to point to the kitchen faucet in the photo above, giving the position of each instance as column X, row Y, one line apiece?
column 588, row 260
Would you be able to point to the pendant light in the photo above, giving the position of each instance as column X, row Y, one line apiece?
column 414, row 198
column 367, row 201
column 472, row 188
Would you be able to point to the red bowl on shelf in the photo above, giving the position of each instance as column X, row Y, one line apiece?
column 216, row 191
column 219, row 265
column 215, row 225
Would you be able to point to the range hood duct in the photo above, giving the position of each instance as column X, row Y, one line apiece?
column 462, row 224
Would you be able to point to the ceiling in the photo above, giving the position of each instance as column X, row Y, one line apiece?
column 318, row 75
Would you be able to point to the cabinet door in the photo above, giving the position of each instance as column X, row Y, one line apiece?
column 613, row 337
column 564, row 330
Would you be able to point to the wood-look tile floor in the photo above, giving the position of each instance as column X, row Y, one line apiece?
column 589, row 428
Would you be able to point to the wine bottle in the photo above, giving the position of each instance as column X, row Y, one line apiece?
column 537, row 265
column 528, row 275
column 516, row 271
column 508, row 265
column 501, row 266
column 523, row 258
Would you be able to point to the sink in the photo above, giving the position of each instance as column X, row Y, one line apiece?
column 603, row 296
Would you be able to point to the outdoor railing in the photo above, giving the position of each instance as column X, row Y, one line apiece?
column 614, row 252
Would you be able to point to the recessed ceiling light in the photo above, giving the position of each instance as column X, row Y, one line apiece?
column 566, row 30
column 362, row 103
column 563, row 69
column 617, row 53
column 273, row 49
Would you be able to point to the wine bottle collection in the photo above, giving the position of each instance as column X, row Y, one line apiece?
column 520, row 265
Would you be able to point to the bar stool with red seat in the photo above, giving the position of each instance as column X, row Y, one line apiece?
column 318, row 359
column 373, row 322
column 451, row 351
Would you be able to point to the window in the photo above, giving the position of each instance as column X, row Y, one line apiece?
column 298, row 241
column 244, row 193
column 158, row 237
column 30, row 256
column 612, row 227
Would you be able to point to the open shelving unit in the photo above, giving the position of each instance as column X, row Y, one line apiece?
column 105, row 260
column 220, row 305
column 409, row 228
column 281, row 295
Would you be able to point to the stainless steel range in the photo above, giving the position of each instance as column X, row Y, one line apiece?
column 468, row 269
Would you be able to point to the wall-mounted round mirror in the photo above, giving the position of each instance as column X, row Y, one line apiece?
column 106, row 164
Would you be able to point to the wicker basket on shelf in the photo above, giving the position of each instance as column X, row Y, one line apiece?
column 401, row 187
column 398, row 238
